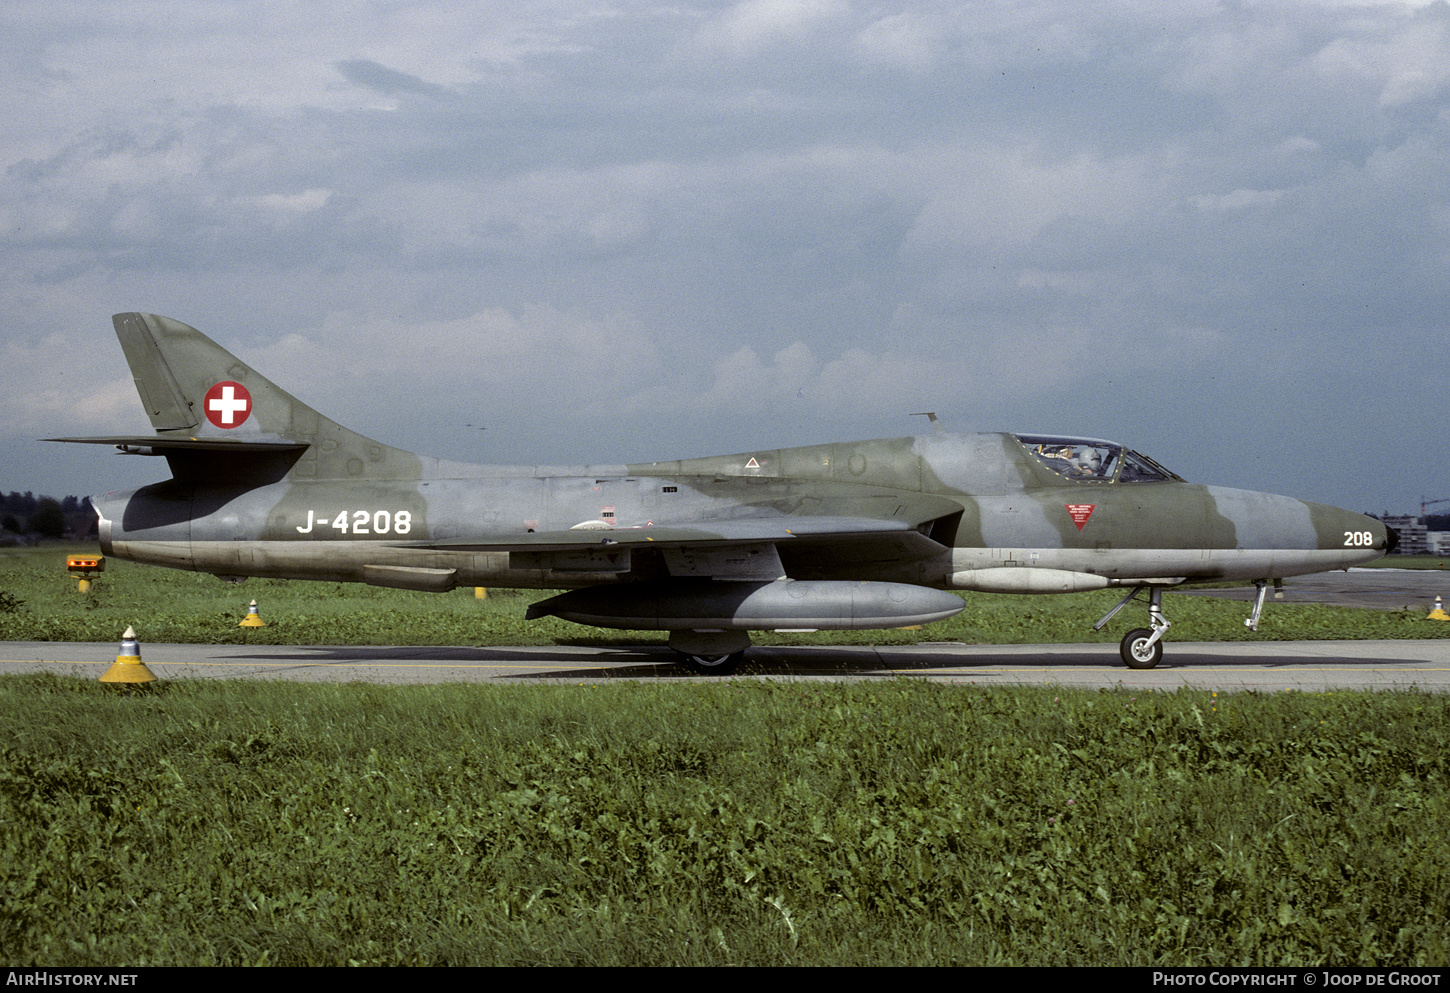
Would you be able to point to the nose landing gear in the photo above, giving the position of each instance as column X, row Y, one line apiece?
column 1141, row 648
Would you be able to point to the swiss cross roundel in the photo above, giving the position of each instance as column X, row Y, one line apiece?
column 227, row 404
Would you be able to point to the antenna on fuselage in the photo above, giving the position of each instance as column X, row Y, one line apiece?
column 931, row 416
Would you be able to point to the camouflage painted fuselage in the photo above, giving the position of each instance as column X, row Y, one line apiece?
column 852, row 534
column 973, row 512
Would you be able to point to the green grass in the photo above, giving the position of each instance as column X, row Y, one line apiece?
column 725, row 822
column 168, row 606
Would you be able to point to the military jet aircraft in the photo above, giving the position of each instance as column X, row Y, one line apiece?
column 866, row 534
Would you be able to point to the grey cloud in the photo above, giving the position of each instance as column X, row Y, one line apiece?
column 802, row 223
column 365, row 72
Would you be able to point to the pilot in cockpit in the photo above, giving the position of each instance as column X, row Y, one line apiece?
column 1086, row 462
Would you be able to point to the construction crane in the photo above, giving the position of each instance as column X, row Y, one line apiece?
column 1426, row 502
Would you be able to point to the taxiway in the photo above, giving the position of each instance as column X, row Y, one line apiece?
column 1264, row 666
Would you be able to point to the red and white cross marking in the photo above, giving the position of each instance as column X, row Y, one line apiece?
column 228, row 404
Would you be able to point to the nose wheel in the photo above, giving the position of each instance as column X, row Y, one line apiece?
column 1141, row 648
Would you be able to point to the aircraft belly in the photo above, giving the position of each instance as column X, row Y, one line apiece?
column 1255, row 563
column 1068, row 570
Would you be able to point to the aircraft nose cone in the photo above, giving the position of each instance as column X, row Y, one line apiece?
column 1392, row 540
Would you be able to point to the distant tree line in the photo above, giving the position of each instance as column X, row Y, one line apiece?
column 31, row 516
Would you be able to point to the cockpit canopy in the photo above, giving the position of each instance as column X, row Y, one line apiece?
column 1094, row 460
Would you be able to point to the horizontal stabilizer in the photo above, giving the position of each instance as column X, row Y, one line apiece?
column 140, row 444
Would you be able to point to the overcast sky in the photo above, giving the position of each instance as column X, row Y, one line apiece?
column 604, row 231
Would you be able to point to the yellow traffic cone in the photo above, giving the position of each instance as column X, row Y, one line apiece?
column 1438, row 614
column 253, row 619
column 128, row 667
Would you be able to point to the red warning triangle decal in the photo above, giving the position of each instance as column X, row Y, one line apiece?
column 1080, row 512
column 752, row 464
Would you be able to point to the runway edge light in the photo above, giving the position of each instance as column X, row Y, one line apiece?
column 253, row 619
column 1438, row 614
column 85, row 568
column 128, row 667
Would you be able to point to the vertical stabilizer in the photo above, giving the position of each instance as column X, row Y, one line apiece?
column 193, row 388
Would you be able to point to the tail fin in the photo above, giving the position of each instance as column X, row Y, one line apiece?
column 202, row 398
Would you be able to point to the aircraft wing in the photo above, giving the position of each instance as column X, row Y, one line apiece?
column 703, row 533
column 747, row 548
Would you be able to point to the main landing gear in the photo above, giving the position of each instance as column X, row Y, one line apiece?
column 1140, row 647
column 710, row 652
column 713, row 665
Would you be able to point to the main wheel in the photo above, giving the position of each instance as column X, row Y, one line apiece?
column 713, row 665
column 1136, row 651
